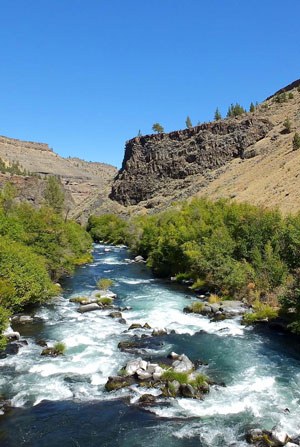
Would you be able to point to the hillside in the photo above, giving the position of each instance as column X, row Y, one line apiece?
column 247, row 158
column 87, row 184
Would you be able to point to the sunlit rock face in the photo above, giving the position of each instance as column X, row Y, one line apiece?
column 162, row 163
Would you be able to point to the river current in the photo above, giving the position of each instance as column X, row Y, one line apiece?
column 62, row 401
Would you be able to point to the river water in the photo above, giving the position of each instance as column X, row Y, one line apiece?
column 62, row 401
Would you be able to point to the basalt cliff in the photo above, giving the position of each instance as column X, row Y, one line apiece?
column 246, row 158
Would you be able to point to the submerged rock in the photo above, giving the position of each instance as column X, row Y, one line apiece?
column 147, row 399
column 115, row 315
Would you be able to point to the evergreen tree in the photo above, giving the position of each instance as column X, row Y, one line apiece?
column 139, row 133
column 188, row 122
column 235, row 110
column 157, row 128
column 218, row 115
column 252, row 108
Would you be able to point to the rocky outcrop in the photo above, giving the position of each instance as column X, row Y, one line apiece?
column 161, row 163
column 86, row 184
column 179, row 380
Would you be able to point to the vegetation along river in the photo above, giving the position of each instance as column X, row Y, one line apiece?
column 62, row 401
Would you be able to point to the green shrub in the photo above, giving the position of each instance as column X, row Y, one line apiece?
column 280, row 98
column 197, row 307
column 104, row 283
column 287, row 125
column 170, row 375
column 261, row 312
column 199, row 381
column 4, row 322
column 108, row 228
column 296, row 141
column 213, row 298
column 60, row 347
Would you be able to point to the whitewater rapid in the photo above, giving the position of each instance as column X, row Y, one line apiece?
column 262, row 378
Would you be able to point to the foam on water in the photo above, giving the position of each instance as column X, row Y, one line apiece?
column 259, row 387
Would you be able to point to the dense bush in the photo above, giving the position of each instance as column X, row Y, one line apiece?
column 108, row 228
column 36, row 246
column 235, row 250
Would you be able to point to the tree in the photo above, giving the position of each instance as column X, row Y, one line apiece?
column 139, row 133
column 235, row 110
column 218, row 115
column 188, row 122
column 157, row 128
column 252, row 108
column 54, row 194
column 296, row 141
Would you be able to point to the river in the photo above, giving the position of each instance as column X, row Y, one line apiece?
column 62, row 401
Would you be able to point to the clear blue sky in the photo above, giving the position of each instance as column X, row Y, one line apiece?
column 86, row 75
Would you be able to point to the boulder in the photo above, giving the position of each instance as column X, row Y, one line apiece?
column 132, row 366
column 147, row 399
column 51, row 352
column 158, row 373
column 89, row 308
column 22, row 319
column 182, row 364
column 151, row 367
column 11, row 349
column 158, row 332
column 173, row 355
column 143, row 365
column 146, row 326
column 291, row 444
column 254, row 435
column 82, row 300
column 135, row 326
column 279, row 437
column 118, row 382
column 12, row 336
column 187, row 390
column 122, row 320
column 143, row 375
column 128, row 345
column 139, row 259
column 175, row 386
